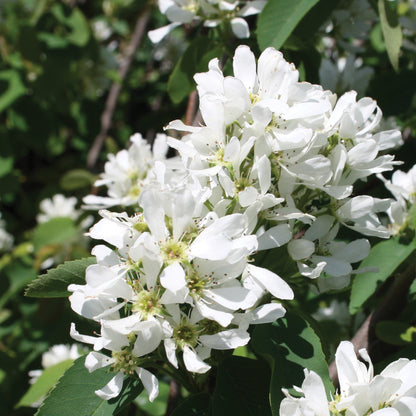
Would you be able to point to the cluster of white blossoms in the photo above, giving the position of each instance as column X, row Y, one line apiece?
column 58, row 206
column 126, row 172
column 403, row 187
column 273, row 167
column 211, row 12
column 391, row 393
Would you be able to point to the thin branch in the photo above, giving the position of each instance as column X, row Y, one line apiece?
column 191, row 108
column 389, row 308
column 173, row 399
column 111, row 102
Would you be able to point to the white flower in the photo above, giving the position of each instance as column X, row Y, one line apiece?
column 391, row 393
column 58, row 206
column 125, row 173
column 211, row 12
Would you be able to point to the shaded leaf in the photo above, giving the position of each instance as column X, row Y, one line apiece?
column 77, row 179
column 387, row 257
column 195, row 59
column 14, row 88
column 392, row 31
column 242, row 388
column 54, row 283
column 56, row 231
column 44, row 383
column 290, row 345
column 195, row 405
column 278, row 19
column 74, row 393
column 396, row 333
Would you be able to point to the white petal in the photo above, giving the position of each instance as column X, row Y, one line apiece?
column 225, row 340
column 300, row 249
column 270, row 281
column 112, row 389
column 232, row 297
column 170, row 349
column 158, row 34
column 209, row 312
column 148, row 338
column 149, row 381
column 193, row 363
column 173, row 277
column 268, row 313
column 244, row 64
column 95, row 360
column 276, row 236
column 240, row 28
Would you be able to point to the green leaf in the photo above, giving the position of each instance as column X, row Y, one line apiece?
column 290, row 345
column 242, row 388
column 54, row 283
column 278, row 19
column 387, row 257
column 195, row 59
column 6, row 165
column 74, row 393
column 44, row 383
column 392, row 31
column 14, row 89
column 77, row 179
column 76, row 22
column 195, row 405
column 396, row 333
column 56, row 231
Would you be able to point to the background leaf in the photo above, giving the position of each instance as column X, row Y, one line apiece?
column 44, row 383
column 396, row 333
column 74, row 393
column 195, row 59
column 289, row 345
column 77, row 179
column 387, row 257
column 14, row 89
column 56, row 231
column 278, row 19
column 54, row 283
column 392, row 31
column 195, row 405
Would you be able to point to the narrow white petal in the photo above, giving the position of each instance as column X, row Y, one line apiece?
column 240, row 28
column 225, row 340
column 95, row 360
column 112, row 388
column 193, row 363
column 271, row 282
column 170, row 349
column 149, row 381
column 173, row 277
column 276, row 236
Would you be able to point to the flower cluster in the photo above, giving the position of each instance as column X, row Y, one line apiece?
column 211, row 12
column 58, row 206
column 391, row 393
column 403, row 187
column 273, row 167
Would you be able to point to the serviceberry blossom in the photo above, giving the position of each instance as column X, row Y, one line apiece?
column 274, row 166
column 58, row 206
column 403, row 187
column 210, row 12
column 391, row 393
column 125, row 173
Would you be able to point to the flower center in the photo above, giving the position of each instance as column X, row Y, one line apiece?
column 125, row 361
column 173, row 251
column 185, row 335
column 147, row 304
